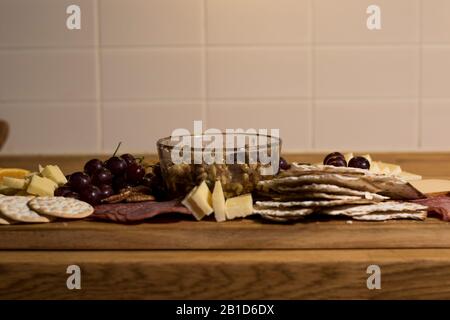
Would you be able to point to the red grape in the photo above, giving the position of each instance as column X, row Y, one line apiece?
column 72, row 194
column 79, row 180
column 134, row 173
column 129, row 158
column 106, row 191
column 359, row 162
column 116, row 165
column 93, row 166
column 62, row 191
column 337, row 162
column 102, row 176
column 284, row 165
column 91, row 195
column 333, row 155
column 148, row 179
column 120, row 183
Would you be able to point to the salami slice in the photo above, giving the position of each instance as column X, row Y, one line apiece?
column 138, row 211
column 438, row 204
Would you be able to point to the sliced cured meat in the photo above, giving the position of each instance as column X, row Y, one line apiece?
column 138, row 211
column 438, row 204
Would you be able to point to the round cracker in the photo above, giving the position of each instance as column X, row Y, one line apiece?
column 16, row 208
column 3, row 222
column 61, row 207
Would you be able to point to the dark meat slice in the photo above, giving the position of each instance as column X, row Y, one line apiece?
column 437, row 204
column 137, row 211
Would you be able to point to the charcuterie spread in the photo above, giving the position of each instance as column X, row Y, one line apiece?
column 127, row 189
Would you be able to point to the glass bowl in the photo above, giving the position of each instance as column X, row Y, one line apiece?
column 237, row 160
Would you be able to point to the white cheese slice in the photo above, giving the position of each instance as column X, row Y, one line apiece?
column 199, row 201
column 218, row 202
column 55, row 174
column 41, row 186
column 239, row 207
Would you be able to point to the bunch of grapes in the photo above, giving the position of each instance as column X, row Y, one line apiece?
column 104, row 179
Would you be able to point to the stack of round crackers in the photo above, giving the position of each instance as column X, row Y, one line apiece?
column 30, row 209
column 337, row 191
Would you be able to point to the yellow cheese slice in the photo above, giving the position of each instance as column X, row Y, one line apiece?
column 431, row 185
column 239, row 207
column 41, row 186
column 218, row 202
column 55, row 174
column 199, row 201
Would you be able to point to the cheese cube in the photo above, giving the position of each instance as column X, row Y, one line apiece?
column 218, row 202
column 348, row 156
column 41, row 186
column 199, row 201
column 55, row 174
column 14, row 183
column 239, row 207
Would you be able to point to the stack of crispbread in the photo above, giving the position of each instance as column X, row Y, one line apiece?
column 337, row 191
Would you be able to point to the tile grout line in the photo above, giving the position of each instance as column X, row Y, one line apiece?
column 312, row 76
column 205, row 102
column 98, row 79
column 420, row 80
column 234, row 99
column 273, row 46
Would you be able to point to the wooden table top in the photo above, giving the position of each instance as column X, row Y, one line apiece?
column 175, row 257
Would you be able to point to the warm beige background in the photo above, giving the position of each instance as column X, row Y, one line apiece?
column 140, row 68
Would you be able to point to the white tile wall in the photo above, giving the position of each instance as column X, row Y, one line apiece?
column 257, row 22
column 46, row 127
column 151, row 22
column 355, row 125
column 258, row 73
column 435, row 129
column 130, row 74
column 48, row 74
column 342, row 22
column 41, row 23
column 383, row 72
column 139, row 124
column 138, row 69
column 296, row 133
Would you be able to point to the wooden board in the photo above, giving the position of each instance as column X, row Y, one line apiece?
column 177, row 258
column 227, row 274
column 241, row 234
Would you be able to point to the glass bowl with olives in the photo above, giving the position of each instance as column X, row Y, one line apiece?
column 238, row 160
